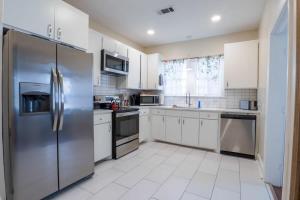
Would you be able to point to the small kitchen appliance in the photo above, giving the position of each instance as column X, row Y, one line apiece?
column 248, row 105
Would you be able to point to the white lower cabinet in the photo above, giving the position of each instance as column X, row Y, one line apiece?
column 144, row 128
column 209, row 129
column 190, row 128
column 190, row 132
column 173, row 129
column 158, row 127
column 102, row 137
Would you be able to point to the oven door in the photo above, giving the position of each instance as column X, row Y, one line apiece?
column 126, row 127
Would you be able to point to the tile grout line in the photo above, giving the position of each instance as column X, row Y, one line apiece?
column 193, row 176
column 161, row 184
column 222, row 157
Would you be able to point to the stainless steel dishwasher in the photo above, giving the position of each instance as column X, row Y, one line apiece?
column 238, row 135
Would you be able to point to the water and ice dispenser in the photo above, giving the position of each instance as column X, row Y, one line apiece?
column 35, row 98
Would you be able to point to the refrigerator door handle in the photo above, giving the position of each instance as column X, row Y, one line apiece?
column 54, row 99
column 62, row 101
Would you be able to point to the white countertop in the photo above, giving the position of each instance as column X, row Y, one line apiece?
column 218, row 110
column 102, row 111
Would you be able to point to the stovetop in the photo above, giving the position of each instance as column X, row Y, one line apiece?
column 125, row 109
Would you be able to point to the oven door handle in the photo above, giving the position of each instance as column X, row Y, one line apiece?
column 126, row 114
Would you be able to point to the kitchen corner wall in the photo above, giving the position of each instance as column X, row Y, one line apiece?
column 231, row 99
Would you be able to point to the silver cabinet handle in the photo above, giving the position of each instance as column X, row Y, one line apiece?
column 50, row 30
column 59, row 34
column 54, row 99
column 183, row 121
column 178, row 120
column 201, row 123
column 227, row 84
column 62, row 101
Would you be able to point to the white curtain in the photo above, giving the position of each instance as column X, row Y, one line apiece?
column 197, row 76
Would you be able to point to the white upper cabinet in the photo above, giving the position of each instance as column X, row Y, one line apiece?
column 144, row 71
column 71, row 25
column 54, row 19
column 241, row 65
column 132, row 80
column 154, row 63
column 95, row 45
column 122, row 49
column 109, row 44
column 115, row 46
column 35, row 16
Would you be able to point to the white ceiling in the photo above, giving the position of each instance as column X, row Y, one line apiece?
column 191, row 19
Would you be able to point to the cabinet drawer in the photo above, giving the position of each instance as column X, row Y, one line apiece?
column 174, row 113
column 144, row 112
column 209, row 115
column 190, row 114
column 100, row 119
column 158, row 112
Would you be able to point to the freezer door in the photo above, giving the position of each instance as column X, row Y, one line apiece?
column 75, row 135
column 30, row 145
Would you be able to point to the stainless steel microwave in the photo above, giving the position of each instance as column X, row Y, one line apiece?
column 149, row 100
column 114, row 64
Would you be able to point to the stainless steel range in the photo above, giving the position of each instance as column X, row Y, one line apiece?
column 125, row 125
column 125, row 131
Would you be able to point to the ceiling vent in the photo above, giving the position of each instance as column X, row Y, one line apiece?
column 166, row 11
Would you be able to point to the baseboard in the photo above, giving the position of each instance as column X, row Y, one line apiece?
column 261, row 165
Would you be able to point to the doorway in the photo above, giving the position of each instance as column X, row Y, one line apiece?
column 277, row 103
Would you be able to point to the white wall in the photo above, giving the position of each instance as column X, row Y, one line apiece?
column 270, row 15
column 106, row 31
column 200, row 47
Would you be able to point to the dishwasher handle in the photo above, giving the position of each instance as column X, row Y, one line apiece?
column 236, row 116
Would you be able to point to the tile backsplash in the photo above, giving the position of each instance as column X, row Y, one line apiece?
column 231, row 97
column 108, row 86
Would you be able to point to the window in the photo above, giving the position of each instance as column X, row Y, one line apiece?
column 197, row 76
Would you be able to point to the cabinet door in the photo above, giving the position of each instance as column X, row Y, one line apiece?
column 173, row 129
column 109, row 44
column 121, row 49
column 133, row 78
column 209, row 133
column 153, row 70
column 95, row 44
column 71, row 25
column 158, row 127
column 144, row 128
column 35, row 16
column 102, row 141
column 190, row 132
column 144, row 71
column 241, row 58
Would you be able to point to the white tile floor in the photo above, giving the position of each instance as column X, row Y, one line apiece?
column 159, row 171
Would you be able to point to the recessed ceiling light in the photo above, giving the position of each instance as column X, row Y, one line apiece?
column 216, row 18
column 151, row 32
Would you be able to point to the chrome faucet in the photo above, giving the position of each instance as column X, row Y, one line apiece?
column 188, row 99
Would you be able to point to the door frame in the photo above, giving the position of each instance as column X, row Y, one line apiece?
column 291, row 179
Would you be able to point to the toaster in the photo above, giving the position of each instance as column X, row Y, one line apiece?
column 248, row 105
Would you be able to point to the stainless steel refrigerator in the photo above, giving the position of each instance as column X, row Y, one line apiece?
column 48, row 116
